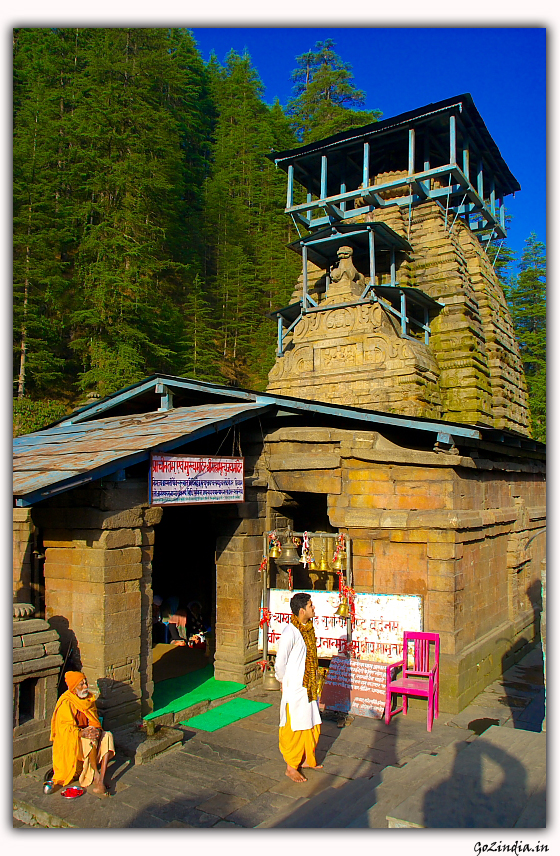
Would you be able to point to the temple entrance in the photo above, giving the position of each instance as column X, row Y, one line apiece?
column 183, row 574
column 307, row 512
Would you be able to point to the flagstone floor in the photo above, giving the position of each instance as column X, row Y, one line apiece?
column 235, row 777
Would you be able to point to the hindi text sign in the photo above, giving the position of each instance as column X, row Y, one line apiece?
column 330, row 630
column 188, row 479
column 377, row 630
column 355, row 686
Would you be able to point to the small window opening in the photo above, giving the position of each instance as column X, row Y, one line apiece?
column 24, row 701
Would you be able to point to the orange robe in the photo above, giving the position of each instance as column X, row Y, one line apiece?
column 66, row 722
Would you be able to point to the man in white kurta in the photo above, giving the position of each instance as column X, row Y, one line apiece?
column 300, row 720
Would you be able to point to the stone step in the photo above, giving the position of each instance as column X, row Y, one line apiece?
column 490, row 784
column 406, row 780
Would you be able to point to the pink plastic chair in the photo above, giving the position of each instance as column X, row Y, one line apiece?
column 421, row 680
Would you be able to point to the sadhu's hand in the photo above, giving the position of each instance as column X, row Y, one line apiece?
column 90, row 732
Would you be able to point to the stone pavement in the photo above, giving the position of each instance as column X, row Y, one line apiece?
column 235, row 777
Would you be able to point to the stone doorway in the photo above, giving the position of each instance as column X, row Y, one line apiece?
column 183, row 567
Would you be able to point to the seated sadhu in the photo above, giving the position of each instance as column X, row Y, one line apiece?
column 80, row 746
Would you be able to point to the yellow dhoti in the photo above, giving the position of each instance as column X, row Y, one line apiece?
column 296, row 746
column 104, row 744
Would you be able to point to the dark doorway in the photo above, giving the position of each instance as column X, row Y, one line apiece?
column 184, row 569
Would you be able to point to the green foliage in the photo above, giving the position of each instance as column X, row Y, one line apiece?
column 527, row 299
column 149, row 226
column 32, row 415
column 324, row 96
column 249, row 270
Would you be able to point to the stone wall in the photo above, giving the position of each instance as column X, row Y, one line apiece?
column 98, row 546
column 23, row 542
column 450, row 528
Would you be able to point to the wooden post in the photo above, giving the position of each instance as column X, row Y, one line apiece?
column 371, row 258
column 304, row 257
column 290, row 193
column 323, row 176
column 452, row 139
column 365, row 174
column 411, row 151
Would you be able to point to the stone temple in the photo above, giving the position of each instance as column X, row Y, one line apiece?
column 395, row 414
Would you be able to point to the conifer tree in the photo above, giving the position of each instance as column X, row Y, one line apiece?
column 527, row 299
column 249, row 268
column 45, row 66
column 129, row 167
column 325, row 98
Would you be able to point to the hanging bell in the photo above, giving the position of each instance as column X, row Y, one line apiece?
column 323, row 565
column 336, row 563
column 290, row 556
column 312, row 566
column 269, row 679
column 275, row 551
column 343, row 610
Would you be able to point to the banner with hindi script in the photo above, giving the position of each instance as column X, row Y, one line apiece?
column 377, row 628
column 195, row 479
column 330, row 630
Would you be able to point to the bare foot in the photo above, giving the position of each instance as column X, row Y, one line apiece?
column 98, row 788
column 294, row 775
column 312, row 766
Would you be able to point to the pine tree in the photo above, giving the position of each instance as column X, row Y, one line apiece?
column 45, row 65
column 130, row 168
column 527, row 299
column 249, row 269
column 325, row 98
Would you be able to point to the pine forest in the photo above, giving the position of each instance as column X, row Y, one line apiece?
column 149, row 226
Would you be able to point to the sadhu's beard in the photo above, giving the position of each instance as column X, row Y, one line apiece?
column 82, row 693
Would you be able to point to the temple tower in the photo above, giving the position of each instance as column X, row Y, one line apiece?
column 398, row 307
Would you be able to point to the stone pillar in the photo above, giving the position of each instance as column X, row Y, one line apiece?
column 98, row 592
column 23, row 535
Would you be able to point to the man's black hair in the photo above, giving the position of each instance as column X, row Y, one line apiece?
column 299, row 601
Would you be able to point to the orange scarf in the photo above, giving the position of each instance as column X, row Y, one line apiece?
column 65, row 734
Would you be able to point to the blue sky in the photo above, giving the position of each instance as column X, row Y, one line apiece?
column 504, row 69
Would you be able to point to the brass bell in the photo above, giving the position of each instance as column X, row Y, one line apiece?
column 269, row 679
column 312, row 564
column 290, row 556
column 323, row 565
column 275, row 551
column 337, row 563
column 343, row 610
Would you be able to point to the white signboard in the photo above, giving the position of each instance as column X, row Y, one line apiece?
column 381, row 620
column 377, row 630
column 187, row 479
column 330, row 630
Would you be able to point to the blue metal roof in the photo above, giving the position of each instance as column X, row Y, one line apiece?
column 65, row 456
column 179, row 384
column 90, row 444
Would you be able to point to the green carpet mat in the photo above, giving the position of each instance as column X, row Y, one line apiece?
column 225, row 714
column 178, row 693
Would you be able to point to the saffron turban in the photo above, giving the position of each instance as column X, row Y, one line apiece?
column 73, row 679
